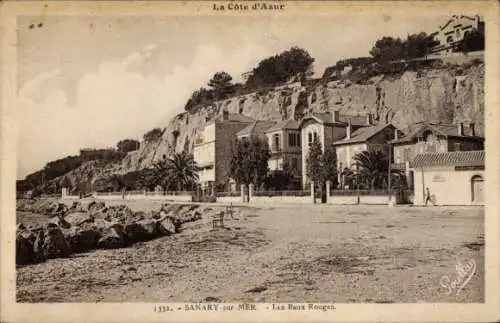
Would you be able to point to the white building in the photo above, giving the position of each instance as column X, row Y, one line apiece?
column 453, row 178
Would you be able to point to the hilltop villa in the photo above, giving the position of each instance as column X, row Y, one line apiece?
column 454, row 31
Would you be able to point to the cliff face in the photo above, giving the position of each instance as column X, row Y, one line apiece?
column 451, row 94
column 446, row 95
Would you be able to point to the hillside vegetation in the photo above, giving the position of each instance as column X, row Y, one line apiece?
column 390, row 84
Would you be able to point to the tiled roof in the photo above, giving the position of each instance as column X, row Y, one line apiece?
column 362, row 134
column 327, row 117
column 324, row 117
column 282, row 125
column 448, row 130
column 255, row 127
column 355, row 120
column 454, row 158
column 236, row 117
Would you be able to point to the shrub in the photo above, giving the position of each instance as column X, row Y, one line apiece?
column 153, row 134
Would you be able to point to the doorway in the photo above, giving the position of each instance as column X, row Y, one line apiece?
column 477, row 186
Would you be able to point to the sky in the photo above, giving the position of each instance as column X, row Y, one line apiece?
column 90, row 81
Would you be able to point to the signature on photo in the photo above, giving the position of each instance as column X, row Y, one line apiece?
column 465, row 271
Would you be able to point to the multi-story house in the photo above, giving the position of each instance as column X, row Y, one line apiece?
column 454, row 31
column 434, row 138
column 283, row 139
column 284, row 144
column 375, row 137
column 212, row 150
column 327, row 128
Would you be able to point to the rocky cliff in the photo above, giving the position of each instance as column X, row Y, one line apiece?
column 449, row 94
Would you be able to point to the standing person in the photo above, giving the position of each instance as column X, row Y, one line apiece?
column 427, row 196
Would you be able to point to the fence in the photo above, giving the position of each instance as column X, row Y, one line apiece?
column 282, row 193
column 358, row 192
column 182, row 196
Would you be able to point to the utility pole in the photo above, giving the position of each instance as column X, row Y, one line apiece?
column 389, row 172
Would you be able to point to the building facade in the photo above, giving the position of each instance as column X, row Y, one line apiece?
column 285, row 147
column 453, row 32
column 434, row 138
column 452, row 178
column 327, row 128
column 212, row 150
column 283, row 139
column 366, row 138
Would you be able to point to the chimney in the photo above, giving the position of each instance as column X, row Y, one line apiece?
column 472, row 129
column 348, row 129
column 369, row 119
column 336, row 116
column 396, row 134
column 460, row 129
column 225, row 115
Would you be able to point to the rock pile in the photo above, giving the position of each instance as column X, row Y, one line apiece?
column 79, row 229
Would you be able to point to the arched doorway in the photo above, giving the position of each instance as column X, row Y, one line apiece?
column 477, row 189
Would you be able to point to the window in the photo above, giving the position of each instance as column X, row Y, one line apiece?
column 406, row 154
column 309, row 138
column 315, row 136
column 457, row 146
column 295, row 164
column 276, row 142
column 293, row 140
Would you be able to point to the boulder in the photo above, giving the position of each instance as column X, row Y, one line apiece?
column 61, row 222
column 152, row 214
column 24, row 251
column 113, row 238
column 168, row 225
column 95, row 206
column 55, row 208
column 78, row 218
column 143, row 230
column 54, row 242
column 84, row 237
column 77, row 206
column 120, row 213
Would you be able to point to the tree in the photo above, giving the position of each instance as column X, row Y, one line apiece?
column 199, row 98
column 373, row 166
column 321, row 166
column 279, row 180
column 127, row 145
column 182, row 169
column 314, row 163
column 418, row 45
column 473, row 41
column 281, row 68
column 153, row 135
column 329, row 161
column 388, row 49
column 249, row 161
column 221, row 85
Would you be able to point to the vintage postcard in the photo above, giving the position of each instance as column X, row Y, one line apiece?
column 249, row 161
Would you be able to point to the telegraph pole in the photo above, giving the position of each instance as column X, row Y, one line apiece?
column 389, row 172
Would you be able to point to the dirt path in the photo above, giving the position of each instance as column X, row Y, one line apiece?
column 283, row 254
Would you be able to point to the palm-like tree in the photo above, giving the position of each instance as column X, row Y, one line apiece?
column 373, row 166
column 182, row 169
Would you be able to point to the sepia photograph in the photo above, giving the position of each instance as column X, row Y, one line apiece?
column 245, row 156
